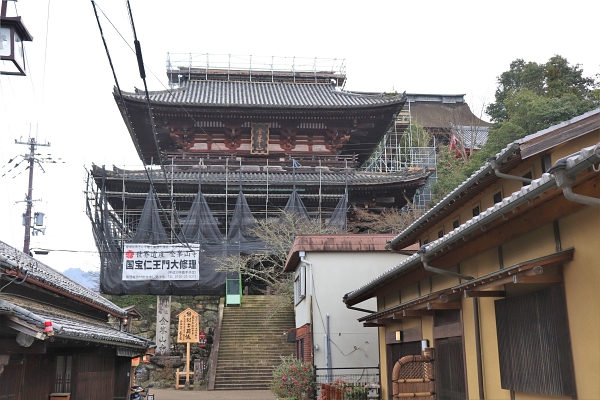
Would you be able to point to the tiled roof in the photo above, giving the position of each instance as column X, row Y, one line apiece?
column 573, row 164
column 331, row 242
column 266, row 94
column 466, row 185
column 70, row 328
column 471, row 181
column 355, row 178
column 41, row 274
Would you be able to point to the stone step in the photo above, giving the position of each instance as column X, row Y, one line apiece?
column 252, row 343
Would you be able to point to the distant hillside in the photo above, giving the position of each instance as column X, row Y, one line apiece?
column 89, row 279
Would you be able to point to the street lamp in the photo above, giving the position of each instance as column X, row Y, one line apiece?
column 12, row 35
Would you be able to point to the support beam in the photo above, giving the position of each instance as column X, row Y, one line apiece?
column 485, row 293
column 454, row 305
column 418, row 313
column 538, row 279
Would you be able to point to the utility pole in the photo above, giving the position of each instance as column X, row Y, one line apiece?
column 32, row 143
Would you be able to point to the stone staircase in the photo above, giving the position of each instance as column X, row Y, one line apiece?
column 251, row 344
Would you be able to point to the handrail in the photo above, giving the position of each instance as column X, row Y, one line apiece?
column 214, row 355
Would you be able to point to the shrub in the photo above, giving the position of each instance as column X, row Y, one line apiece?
column 293, row 379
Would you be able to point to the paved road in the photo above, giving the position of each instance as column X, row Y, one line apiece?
column 172, row 394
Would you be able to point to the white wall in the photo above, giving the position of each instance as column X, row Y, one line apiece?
column 335, row 274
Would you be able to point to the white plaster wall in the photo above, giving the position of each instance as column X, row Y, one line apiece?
column 335, row 274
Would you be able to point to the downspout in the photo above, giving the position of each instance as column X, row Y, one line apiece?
column 566, row 184
column 478, row 347
column 499, row 174
column 310, row 306
column 434, row 270
column 565, row 170
column 431, row 269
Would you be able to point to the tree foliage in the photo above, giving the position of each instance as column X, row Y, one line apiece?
column 267, row 267
column 530, row 85
column 529, row 97
column 387, row 221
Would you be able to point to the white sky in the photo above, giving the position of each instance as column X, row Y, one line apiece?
column 442, row 47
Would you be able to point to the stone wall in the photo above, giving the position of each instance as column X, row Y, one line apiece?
column 161, row 369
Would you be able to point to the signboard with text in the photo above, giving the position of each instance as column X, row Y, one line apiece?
column 188, row 330
column 161, row 262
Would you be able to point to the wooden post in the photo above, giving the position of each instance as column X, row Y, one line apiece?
column 188, row 332
column 187, row 366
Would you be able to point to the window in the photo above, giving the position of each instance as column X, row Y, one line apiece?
column 440, row 233
column 528, row 175
column 498, row 197
column 533, row 334
column 546, row 162
column 476, row 211
column 455, row 224
column 300, row 285
column 62, row 379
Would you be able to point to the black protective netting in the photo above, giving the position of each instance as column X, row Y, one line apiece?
column 199, row 227
column 150, row 230
column 295, row 207
column 338, row 218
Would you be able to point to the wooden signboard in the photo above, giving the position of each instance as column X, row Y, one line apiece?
column 188, row 332
column 189, row 327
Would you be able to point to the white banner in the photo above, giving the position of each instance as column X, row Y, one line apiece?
column 160, row 262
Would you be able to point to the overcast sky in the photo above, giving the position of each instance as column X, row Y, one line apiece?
column 440, row 47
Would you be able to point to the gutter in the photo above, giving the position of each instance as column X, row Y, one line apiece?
column 496, row 168
column 563, row 171
column 566, row 169
column 501, row 157
column 535, row 189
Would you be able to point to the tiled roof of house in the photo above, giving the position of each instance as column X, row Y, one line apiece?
column 265, row 94
column 574, row 163
column 43, row 275
column 471, row 182
column 72, row 328
column 331, row 242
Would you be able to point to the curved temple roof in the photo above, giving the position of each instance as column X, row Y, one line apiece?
column 265, row 94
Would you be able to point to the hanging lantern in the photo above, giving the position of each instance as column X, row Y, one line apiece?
column 12, row 35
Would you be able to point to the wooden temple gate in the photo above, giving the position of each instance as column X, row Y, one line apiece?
column 413, row 376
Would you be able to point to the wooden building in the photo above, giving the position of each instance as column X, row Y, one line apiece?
column 272, row 137
column 247, row 128
column 504, row 290
column 55, row 336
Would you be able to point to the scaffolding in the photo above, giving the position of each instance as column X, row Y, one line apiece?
column 183, row 67
column 401, row 150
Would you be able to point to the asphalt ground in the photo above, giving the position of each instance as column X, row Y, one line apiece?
column 182, row 394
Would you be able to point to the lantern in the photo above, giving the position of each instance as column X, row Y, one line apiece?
column 12, row 35
column 135, row 362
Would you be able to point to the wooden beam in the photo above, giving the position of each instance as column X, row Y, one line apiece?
column 371, row 325
column 485, row 293
column 538, row 279
column 417, row 313
column 11, row 346
column 454, row 305
column 398, row 315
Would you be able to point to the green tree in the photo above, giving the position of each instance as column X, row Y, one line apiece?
column 529, row 97
column 555, row 79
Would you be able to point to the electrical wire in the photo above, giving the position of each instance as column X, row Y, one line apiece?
column 45, row 52
column 155, row 134
column 128, row 121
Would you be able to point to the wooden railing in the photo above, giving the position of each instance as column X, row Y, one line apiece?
column 331, row 392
